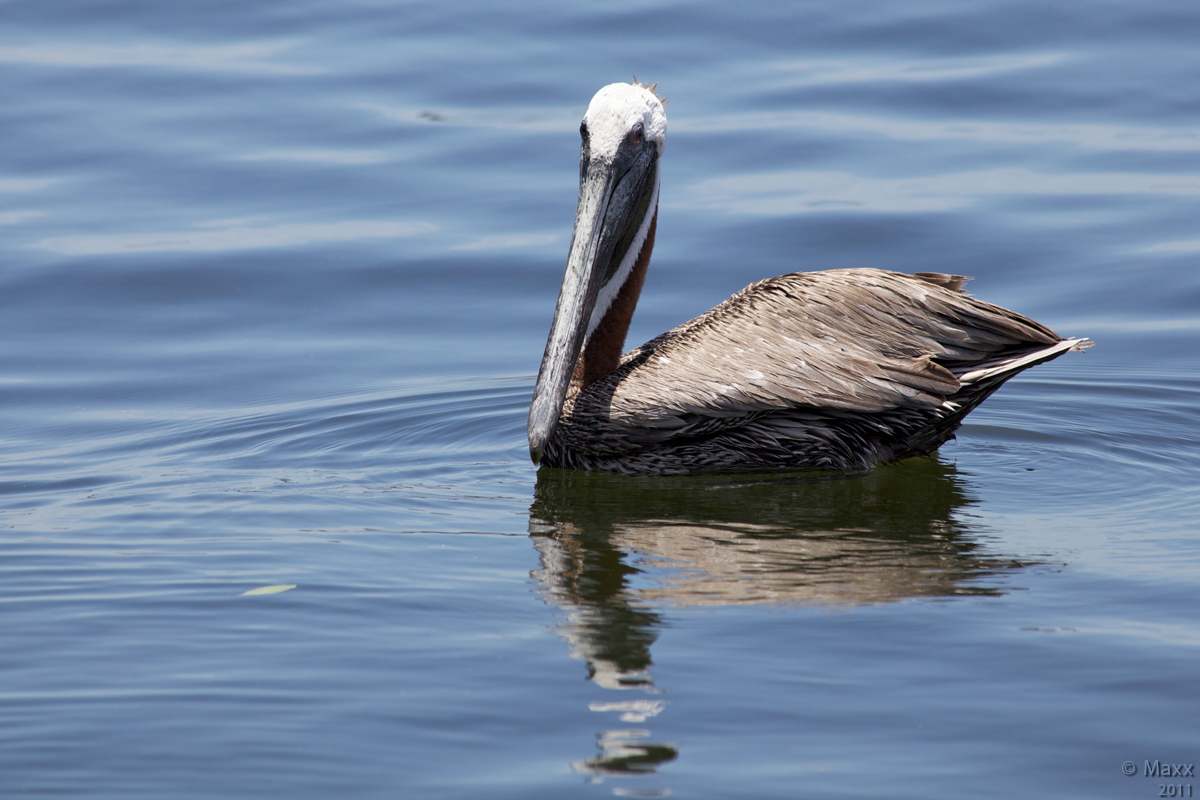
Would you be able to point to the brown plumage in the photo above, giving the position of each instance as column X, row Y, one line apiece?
column 837, row 370
column 829, row 370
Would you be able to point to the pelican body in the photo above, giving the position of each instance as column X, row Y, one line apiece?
column 835, row 370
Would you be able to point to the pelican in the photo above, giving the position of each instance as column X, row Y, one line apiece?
column 836, row 370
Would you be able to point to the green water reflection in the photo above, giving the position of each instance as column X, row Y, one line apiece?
column 618, row 551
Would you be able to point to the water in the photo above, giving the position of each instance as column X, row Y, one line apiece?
column 275, row 282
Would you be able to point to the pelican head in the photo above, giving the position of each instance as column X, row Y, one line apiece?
column 624, row 132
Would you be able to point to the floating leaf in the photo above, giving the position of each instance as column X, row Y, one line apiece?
column 283, row 587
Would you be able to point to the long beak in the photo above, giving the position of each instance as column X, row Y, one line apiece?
column 608, row 195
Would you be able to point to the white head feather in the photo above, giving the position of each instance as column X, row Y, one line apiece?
column 615, row 110
column 612, row 114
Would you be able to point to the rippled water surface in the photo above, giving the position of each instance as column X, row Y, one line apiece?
column 275, row 280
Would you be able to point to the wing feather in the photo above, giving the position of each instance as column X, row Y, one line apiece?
column 856, row 340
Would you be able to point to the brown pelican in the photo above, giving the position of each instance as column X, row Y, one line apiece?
column 836, row 370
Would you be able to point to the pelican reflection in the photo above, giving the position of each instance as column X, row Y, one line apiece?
column 618, row 551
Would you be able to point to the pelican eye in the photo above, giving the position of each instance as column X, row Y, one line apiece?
column 583, row 131
column 636, row 135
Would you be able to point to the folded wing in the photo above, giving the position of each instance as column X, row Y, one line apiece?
column 857, row 341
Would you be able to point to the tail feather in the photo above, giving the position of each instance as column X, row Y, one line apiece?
column 982, row 379
column 1006, row 367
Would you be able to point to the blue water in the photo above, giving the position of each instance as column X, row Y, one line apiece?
column 275, row 280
